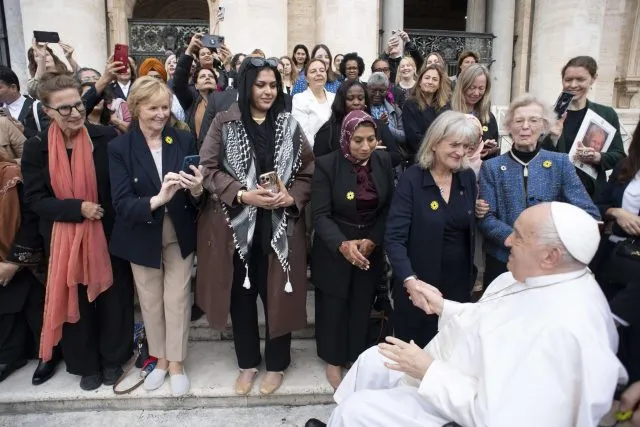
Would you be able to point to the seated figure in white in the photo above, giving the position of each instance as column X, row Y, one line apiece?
column 537, row 350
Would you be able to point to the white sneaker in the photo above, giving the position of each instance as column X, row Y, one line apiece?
column 179, row 384
column 155, row 379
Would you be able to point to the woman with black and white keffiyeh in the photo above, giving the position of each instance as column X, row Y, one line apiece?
column 251, row 241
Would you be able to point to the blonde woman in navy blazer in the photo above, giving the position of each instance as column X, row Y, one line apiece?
column 430, row 235
column 155, row 229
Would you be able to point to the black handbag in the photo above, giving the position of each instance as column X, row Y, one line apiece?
column 624, row 262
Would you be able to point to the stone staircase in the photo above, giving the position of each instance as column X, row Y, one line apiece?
column 211, row 366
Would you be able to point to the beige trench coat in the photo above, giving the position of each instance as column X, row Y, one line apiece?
column 286, row 311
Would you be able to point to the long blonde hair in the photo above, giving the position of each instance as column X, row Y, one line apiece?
column 415, row 69
column 442, row 95
column 465, row 80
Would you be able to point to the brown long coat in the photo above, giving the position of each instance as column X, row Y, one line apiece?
column 286, row 311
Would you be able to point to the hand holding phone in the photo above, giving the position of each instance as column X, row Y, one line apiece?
column 562, row 103
column 190, row 161
column 270, row 181
column 212, row 41
column 121, row 54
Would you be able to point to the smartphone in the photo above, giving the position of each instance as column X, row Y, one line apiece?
column 270, row 181
column 221, row 11
column 46, row 36
column 188, row 161
column 121, row 54
column 562, row 103
column 212, row 41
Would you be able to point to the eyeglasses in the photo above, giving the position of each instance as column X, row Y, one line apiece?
column 533, row 121
column 65, row 110
column 378, row 91
column 257, row 61
column 381, row 70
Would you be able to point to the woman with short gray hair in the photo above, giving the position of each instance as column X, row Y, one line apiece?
column 434, row 202
column 525, row 176
column 382, row 109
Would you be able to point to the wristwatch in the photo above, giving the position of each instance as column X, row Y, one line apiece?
column 239, row 197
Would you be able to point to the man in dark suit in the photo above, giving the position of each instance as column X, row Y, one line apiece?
column 25, row 112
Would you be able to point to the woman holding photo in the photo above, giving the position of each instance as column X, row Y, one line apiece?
column 578, row 75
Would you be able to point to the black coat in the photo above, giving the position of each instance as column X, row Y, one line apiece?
column 188, row 95
column 611, row 197
column 137, row 234
column 416, row 122
column 28, row 120
column 327, row 140
column 415, row 230
column 39, row 194
column 336, row 219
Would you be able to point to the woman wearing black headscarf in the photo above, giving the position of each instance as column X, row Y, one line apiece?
column 351, row 194
column 252, row 239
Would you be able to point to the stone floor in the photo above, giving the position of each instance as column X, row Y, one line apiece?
column 212, row 417
column 211, row 366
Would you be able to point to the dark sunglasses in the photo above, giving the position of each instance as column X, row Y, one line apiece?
column 257, row 62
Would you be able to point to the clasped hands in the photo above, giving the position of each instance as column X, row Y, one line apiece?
column 265, row 199
column 173, row 182
column 587, row 155
column 357, row 252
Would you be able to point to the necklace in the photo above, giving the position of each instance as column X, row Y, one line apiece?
column 259, row 120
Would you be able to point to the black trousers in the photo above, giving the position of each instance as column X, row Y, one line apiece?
column 20, row 331
column 493, row 267
column 409, row 322
column 244, row 316
column 342, row 323
column 103, row 337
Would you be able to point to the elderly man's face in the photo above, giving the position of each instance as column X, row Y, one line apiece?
column 377, row 93
column 527, row 253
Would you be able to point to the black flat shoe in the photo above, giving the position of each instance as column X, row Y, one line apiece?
column 196, row 313
column 91, row 382
column 7, row 369
column 111, row 375
column 314, row 423
column 45, row 370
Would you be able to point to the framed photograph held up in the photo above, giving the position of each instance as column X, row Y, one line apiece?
column 595, row 132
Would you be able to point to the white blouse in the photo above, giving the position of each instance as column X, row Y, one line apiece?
column 310, row 113
column 631, row 197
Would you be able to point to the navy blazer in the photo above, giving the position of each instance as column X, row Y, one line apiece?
column 415, row 229
column 137, row 232
column 611, row 197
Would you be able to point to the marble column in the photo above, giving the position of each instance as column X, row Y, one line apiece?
column 301, row 19
column 476, row 15
column 252, row 24
column 17, row 52
column 521, row 49
column 392, row 18
column 82, row 24
column 562, row 30
column 117, row 22
column 335, row 27
column 502, row 17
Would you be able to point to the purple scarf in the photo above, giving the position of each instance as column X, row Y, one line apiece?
column 349, row 125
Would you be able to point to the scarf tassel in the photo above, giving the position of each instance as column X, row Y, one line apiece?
column 247, row 282
column 287, row 287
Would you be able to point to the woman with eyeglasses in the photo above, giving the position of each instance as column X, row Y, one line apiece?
column 89, row 302
column 472, row 95
column 251, row 233
column 523, row 177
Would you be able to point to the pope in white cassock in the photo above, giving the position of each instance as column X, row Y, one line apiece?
column 537, row 350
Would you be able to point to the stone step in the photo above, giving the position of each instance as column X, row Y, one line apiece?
column 200, row 330
column 211, row 366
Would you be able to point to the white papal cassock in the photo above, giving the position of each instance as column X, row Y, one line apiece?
column 538, row 354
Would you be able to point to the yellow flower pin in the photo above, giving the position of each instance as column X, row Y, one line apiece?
column 351, row 195
column 435, row 205
column 547, row 164
column 485, row 129
column 168, row 140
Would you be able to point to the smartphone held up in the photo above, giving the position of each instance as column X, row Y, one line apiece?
column 121, row 54
column 270, row 181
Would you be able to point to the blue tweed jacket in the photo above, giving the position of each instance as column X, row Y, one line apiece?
column 552, row 177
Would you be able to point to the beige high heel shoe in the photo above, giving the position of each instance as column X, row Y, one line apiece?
column 243, row 387
column 271, row 382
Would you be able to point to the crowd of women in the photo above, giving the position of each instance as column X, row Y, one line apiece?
column 301, row 163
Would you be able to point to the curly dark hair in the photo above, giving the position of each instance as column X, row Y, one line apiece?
column 353, row 56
